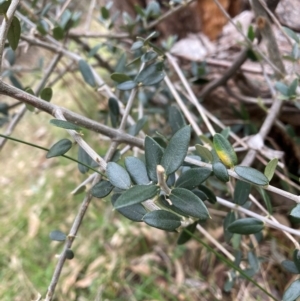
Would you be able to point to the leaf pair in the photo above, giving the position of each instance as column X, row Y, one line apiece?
column 149, row 76
column 171, row 158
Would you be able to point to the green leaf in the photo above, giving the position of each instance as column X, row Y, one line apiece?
column 193, row 177
column 163, row 220
column 136, row 61
column 134, row 213
column 282, row 88
column 120, row 77
column 153, row 9
column 151, row 75
column 59, row 148
column 102, row 189
column 228, row 285
column 4, row 108
column 83, row 157
column 121, row 62
column 176, row 150
column 69, row 254
column 114, row 111
column 211, row 196
column 293, row 87
column 253, row 261
column 58, row 33
column 296, row 259
column 266, row 199
column 295, row 213
column 249, row 225
column 104, row 13
column 186, row 236
column 225, row 132
column 296, row 52
column 251, row 175
column 153, row 155
column 163, row 203
column 116, row 156
column 128, row 85
column 46, row 94
column 79, row 190
column 57, row 235
column 14, row 33
column 241, row 192
column 291, row 34
column 154, row 79
column 290, row 266
column 86, row 73
column 176, row 119
column 292, row 292
column 139, row 10
column 42, row 27
column 270, row 168
column 200, row 194
column 15, row 82
column 136, row 194
column 204, row 153
column 10, row 56
column 118, row 176
column 151, row 35
column 148, row 56
column 65, row 124
column 29, row 107
column 224, row 150
column 229, row 219
column 137, row 170
column 251, row 33
column 4, row 5
column 95, row 49
column 253, row 55
column 134, row 129
column 205, row 140
column 220, row 171
column 189, row 203
column 137, row 45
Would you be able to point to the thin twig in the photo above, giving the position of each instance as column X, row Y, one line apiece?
column 12, row 125
column 77, row 137
column 17, row 117
column 233, row 174
column 192, row 96
column 161, row 180
column 66, row 4
column 169, row 13
column 182, row 106
column 237, row 63
column 266, row 220
column 98, row 35
column 127, row 109
column 47, row 73
column 90, row 15
column 58, row 48
column 217, row 244
column 275, row 56
column 80, row 120
column 67, row 246
column 5, row 26
column 261, row 207
column 245, row 68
